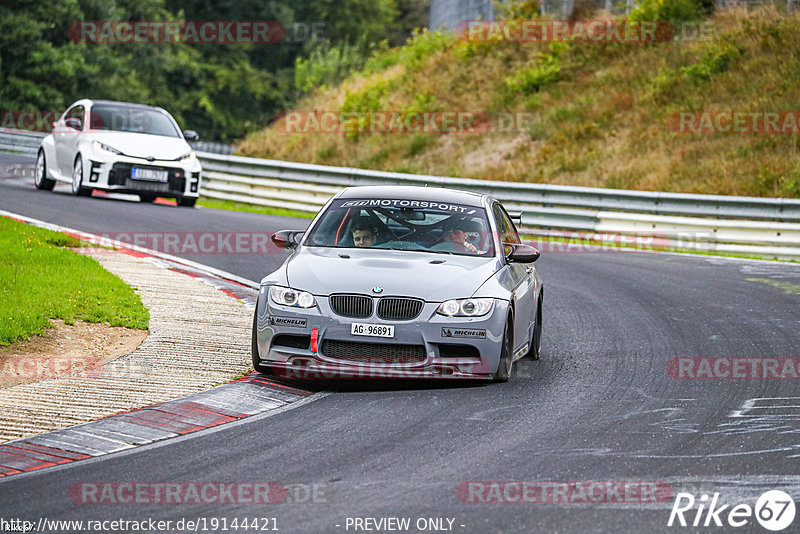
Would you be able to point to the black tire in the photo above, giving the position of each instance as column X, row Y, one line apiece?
column 507, row 353
column 257, row 365
column 147, row 198
column 40, row 179
column 536, row 343
column 187, row 202
column 77, row 183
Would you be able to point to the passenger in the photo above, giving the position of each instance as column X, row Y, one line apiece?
column 455, row 238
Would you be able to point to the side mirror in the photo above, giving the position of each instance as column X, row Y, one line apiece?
column 287, row 238
column 191, row 135
column 523, row 254
column 72, row 123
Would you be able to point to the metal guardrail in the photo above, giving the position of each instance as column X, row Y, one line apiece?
column 748, row 225
column 20, row 141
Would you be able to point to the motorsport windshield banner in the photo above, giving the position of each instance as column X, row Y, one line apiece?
column 405, row 203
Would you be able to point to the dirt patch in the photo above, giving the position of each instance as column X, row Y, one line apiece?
column 66, row 351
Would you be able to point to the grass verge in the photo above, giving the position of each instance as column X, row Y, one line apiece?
column 240, row 206
column 40, row 279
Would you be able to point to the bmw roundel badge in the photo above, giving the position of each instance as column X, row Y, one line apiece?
column 377, row 289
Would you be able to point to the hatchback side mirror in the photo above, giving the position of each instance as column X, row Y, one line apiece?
column 287, row 238
column 522, row 253
column 191, row 135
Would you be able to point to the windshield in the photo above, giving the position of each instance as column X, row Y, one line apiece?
column 132, row 119
column 404, row 224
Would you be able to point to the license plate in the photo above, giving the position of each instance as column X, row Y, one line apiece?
column 373, row 330
column 153, row 175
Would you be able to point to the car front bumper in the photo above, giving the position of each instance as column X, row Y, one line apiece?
column 429, row 346
column 113, row 173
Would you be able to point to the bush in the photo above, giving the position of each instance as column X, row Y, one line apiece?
column 328, row 65
column 544, row 69
column 420, row 46
column 671, row 10
column 717, row 59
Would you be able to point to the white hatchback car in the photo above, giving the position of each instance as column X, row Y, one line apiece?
column 120, row 147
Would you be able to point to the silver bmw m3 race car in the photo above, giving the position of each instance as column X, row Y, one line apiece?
column 401, row 282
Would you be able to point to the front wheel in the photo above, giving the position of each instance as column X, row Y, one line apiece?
column 536, row 342
column 77, row 179
column 40, row 179
column 257, row 365
column 507, row 353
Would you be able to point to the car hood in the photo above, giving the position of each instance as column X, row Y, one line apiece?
column 144, row 145
column 323, row 271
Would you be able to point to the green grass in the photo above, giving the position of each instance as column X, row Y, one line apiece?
column 240, row 206
column 40, row 279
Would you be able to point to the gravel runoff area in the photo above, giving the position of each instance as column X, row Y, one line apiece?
column 199, row 337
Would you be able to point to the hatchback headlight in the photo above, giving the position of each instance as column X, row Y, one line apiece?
column 189, row 157
column 292, row 297
column 102, row 147
column 466, row 307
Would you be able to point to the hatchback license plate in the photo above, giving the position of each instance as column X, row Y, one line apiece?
column 153, row 175
column 373, row 330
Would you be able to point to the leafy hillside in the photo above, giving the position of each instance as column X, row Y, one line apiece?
column 222, row 87
column 596, row 114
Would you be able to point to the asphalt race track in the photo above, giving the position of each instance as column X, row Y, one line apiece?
column 599, row 405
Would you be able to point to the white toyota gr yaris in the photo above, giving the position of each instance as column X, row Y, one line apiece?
column 120, row 147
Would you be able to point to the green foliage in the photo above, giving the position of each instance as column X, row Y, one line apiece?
column 419, row 47
column 418, row 144
column 718, row 58
column 544, row 69
column 672, row 11
column 369, row 98
column 422, row 102
column 328, row 65
column 220, row 90
column 518, row 9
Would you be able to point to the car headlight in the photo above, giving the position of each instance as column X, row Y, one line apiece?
column 466, row 307
column 102, row 147
column 291, row 297
column 189, row 157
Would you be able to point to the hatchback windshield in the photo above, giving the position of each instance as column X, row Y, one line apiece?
column 404, row 224
column 132, row 119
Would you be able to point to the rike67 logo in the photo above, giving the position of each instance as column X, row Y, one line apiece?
column 774, row 511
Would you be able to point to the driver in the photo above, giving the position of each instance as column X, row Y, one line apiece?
column 363, row 233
